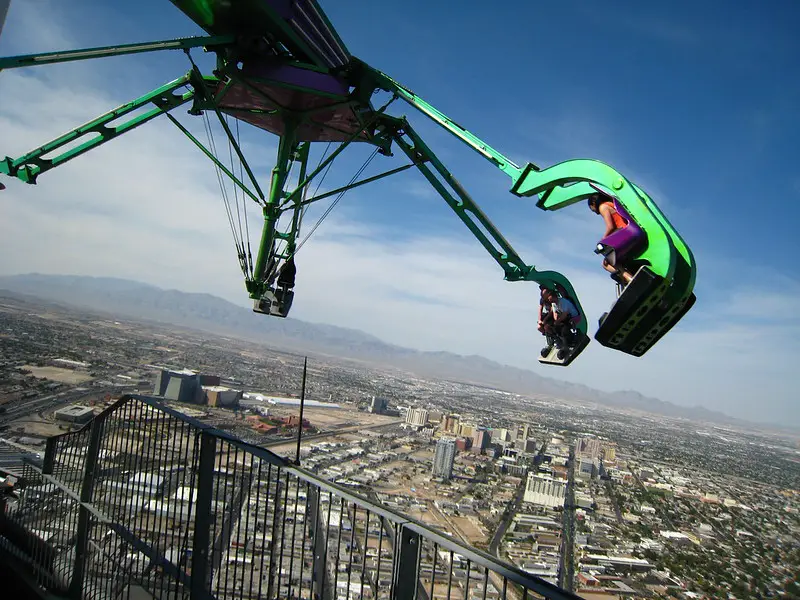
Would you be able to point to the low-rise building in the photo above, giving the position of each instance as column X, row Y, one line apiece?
column 75, row 414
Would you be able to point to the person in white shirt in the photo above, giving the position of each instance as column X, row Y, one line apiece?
column 565, row 316
column 546, row 317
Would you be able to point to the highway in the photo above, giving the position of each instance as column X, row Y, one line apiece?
column 566, row 570
column 25, row 408
column 496, row 579
column 508, row 516
column 613, row 497
column 277, row 445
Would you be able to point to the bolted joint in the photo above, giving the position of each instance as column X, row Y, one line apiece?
column 271, row 211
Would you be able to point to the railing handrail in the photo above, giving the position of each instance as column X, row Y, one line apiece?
column 479, row 557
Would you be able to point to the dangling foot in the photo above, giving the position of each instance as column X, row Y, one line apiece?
column 549, row 348
column 567, row 341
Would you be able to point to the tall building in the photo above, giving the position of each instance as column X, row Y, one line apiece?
column 75, row 414
column 586, row 467
column 210, row 380
column 544, row 491
column 417, row 417
column 481, row 439
column 443, row 458
column 217, row 395
column 379, row 405
column 501, row 435
column 449, row 424
column 183, row 386
column 466, row 429
column 588, row 447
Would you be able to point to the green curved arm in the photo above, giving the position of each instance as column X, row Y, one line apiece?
column 476, row 221
column 565, row 196
column 683, row 249
column 677, row 296
column 660, row 252
column 383, row 81
column 553, row 279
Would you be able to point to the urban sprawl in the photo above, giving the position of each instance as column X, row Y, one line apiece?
column 603, row 501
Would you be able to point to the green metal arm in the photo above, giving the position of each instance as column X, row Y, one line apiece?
column 28, row 167
column 383, row 81
column 561, row 197
column 48, row 58
column 4, row 6
column 459, row 200
column 566, row 183
column 474, row 218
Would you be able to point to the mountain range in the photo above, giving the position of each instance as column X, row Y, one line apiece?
column 212, row 314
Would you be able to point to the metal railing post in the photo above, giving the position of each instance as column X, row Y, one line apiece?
column 202, row 519
column 49, row 462
column 319, row 547
column 407, row 564
column 87, row 489
column 333, row 515
column 277, row 519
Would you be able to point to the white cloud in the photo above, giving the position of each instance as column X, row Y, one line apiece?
column 27, row 28
column 434, row 294
column 146, row 206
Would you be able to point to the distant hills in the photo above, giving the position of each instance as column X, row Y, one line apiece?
column 209, row 313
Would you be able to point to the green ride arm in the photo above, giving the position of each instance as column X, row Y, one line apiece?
column 48, row 58
column 474, row 218
column 4, row 6
column 28, row 167
column 461, row 203
column 680, row 245
column 564, row 196
column 553, row 184
column 663, row 240
column 388, row 84
column 287, row 152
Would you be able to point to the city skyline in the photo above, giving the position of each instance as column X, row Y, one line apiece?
column 116, row 292
column 589, row 498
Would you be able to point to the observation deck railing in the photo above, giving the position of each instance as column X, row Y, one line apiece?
column 146, row 502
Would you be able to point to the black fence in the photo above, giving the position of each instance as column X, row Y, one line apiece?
column 146, row 502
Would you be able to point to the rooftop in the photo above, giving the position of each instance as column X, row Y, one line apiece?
column 75, row 410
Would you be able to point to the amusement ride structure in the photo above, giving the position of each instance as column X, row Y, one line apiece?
column 282, row 68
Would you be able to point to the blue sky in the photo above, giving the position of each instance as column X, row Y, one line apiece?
column 696, row 102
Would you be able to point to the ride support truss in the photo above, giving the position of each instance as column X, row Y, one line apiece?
column 667, row 271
